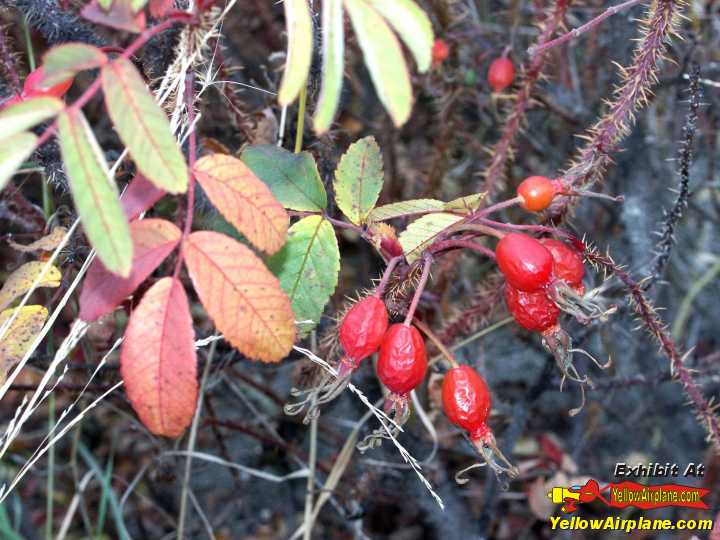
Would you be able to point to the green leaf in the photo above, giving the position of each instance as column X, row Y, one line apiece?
column 143, row 127
column 94, row 193
column 465, row 204
column 423, row 232
column 137, row 5
column 308, row 266
column 359, row 180
column 13, row 152
column 299, row 56
column 292, row 178
column 105, row 4
column 405, row 208
column 333, row 50
column 412, row 25
column 28, row 113
column 384, row 59
column 65, row 61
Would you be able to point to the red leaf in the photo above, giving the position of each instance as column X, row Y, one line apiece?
column 153, row 240
column 120, row 16
column 140, row 195
column 160, row 8
column 158, row 362
column 244, row 300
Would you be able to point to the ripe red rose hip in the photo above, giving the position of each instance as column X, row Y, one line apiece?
column 536, row 193
column 33, row 86
column 362, row 331
column 501, row 74
column 525, row 262
column 534, row 311
column 402, row 361
column 440, row 52
column 567, row 261
column 466, row 400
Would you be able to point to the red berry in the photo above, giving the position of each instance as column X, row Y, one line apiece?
column 466, row 400
column 402, row 361
column 33, row 86
column 440, row 52
column 567, row 262
column 536, row 193
column 526, row 263
column 534, row 311
column 362, row 329
column 501, row 74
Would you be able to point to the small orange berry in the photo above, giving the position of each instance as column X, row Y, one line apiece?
column 501, row 74
column 536, row 193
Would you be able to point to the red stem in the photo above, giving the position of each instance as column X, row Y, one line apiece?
column 130, row 51
column 575, row 32
column 463, row 244
column 392, row 263
column 419, row 290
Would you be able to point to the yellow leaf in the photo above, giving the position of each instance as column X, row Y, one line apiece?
column 244, row 200
column 241, row 296
column 423, row 232
column 20, row 335
column 22, row 279
column 300, row 43
column 46, row 243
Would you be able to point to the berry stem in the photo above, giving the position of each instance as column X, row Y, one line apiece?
column 392, row 263
column 419, row 290
column 463, row 244
column 450, row 357
column 530, row 228
column 484, row 229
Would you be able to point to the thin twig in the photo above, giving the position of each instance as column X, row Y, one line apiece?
column 576, row 32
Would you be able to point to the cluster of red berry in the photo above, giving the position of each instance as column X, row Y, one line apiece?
column 34, row 87
column 402, row 364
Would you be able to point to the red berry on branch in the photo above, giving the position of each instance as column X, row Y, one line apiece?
column 466, row 400
column 440, row 52
column 361, row 331
column 501, row 74
column 33, row 86
column 402, row 362
column 536, row 193
column 567, row 261
column 534, row 311
column 525, row 262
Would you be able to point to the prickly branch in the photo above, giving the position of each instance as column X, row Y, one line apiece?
column 8, row 64
column 673, row 217
column 501, row 152
column 632, row 93
column 656, row 327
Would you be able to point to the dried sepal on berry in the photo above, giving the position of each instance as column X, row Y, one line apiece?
column 467, row 404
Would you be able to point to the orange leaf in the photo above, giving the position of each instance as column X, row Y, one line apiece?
column 244, row 200
column 158, row 362
column 153, row 241
column 140, row 196
column 241, row 296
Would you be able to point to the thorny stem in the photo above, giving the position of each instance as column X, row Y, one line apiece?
column 576, row 32
column 632, row 94
column 192, row 155
column 91, row 90
column 9, row 66
column 502, row 150
column 673, row 217
column 387, row 274
column 657, row 328
column 450, row 357
column 419, row 290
